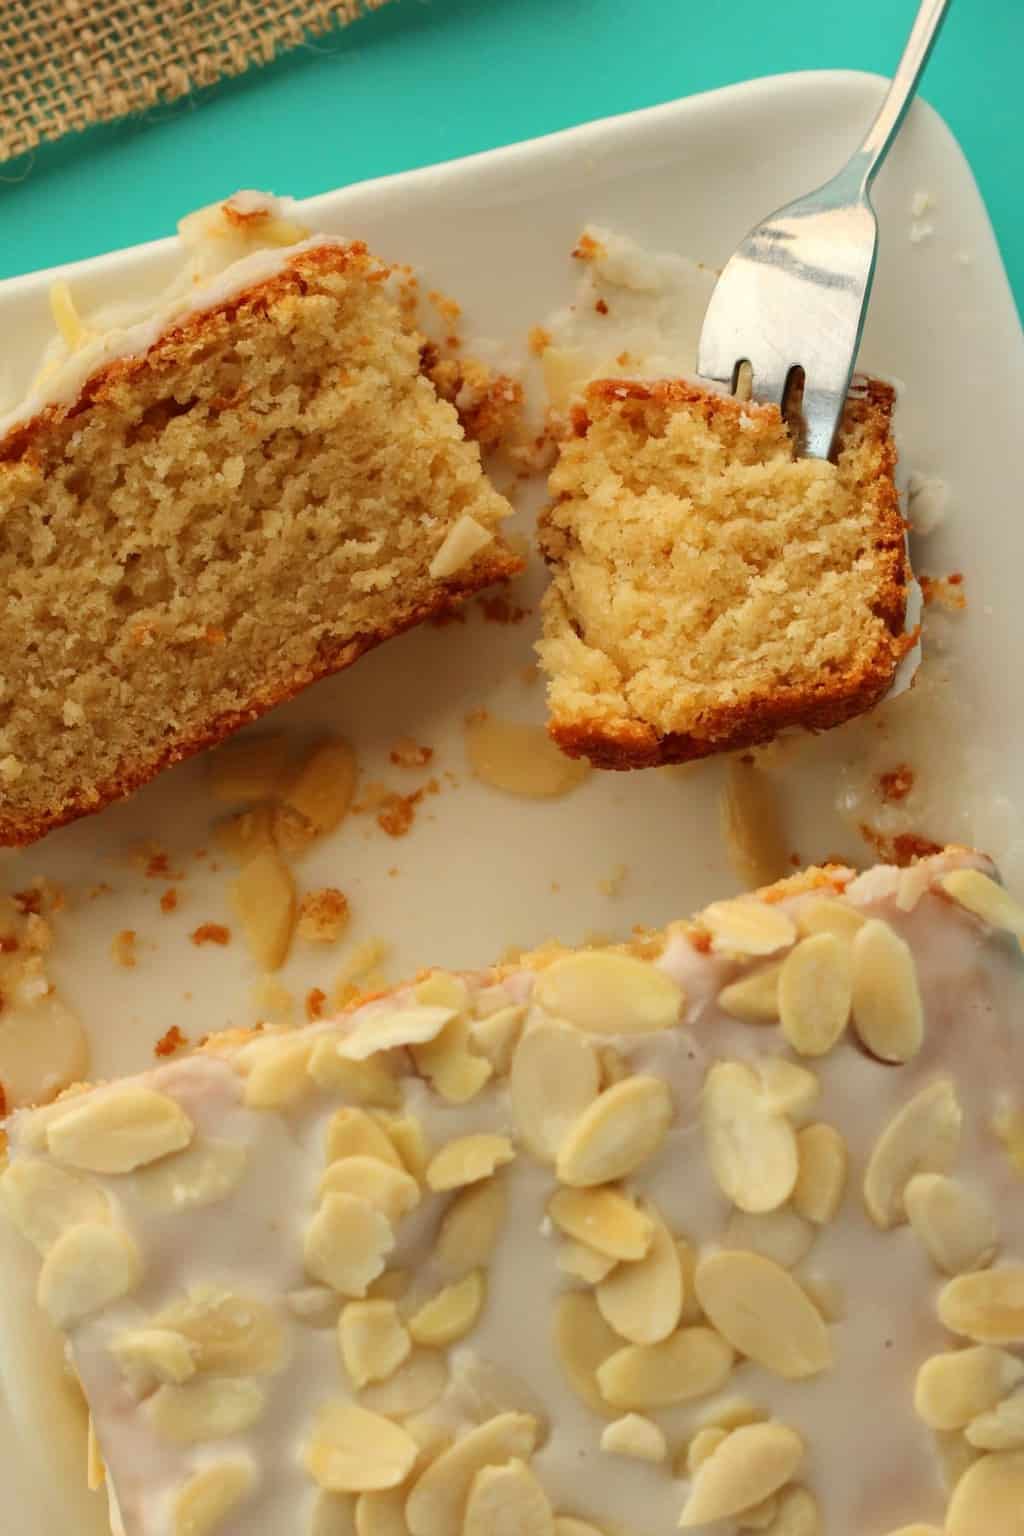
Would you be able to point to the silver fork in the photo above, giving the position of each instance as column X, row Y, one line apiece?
column 792, row 299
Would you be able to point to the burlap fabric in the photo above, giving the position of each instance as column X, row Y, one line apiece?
column 66, row 64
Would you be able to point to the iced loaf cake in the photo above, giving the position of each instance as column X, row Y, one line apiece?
column 205, row 511
column 722, row 1230
column 710, row 589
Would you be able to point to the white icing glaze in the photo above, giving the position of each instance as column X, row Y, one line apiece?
column 870, row 1461
column 204, row 282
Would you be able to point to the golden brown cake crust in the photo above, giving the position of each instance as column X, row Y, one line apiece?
column 631, row 742
column 25, row 449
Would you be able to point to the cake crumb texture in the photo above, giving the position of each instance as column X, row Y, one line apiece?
column 709, row 588
column 246, row 507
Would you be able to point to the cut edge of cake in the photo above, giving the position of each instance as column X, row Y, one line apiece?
column 605, row 730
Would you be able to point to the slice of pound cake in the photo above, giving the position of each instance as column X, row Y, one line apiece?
column 204, row 512
column 720, row 1230
column 709, row 588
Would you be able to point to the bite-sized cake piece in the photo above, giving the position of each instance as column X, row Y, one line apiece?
column 205, row 512
column 709, row 588
column 723, row 1229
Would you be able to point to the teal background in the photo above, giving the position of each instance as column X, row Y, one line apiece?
column 426, row 80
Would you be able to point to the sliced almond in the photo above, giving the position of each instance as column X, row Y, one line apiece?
column 614, row 1066
column 203, row 1504
column 317, row 1306
column 754, row 997
column 984, row 897
column 453, row 1069
column 352, row 1132
column 568, row 1525
column 43, row 1049
column 391, row 1285
column 759, row 1517
column 786, row 1088
column 382, row 1513
column 247, row 768
column 387, row 1028
column 603, row 1219
column 887, row 1011
column 243, row 836
column 412, row 1389
column 609, row 994
column 389, row 1190
column 815, row 994
column 554, row 1077
column 782, row 1235
column 276, row 1072
column 147, row 1357
column 444, row 989
column 922, row 1138
column 952, row 1389
column 634, row 1436
column 44, row 1201
column 436, row 1505
column 751, row 1464
column 467, row 1160
column 989, row 1497
column 334, row 1514
column 687, row 1256
column 470, row 1229
column 987, row 1306
column 405, row 1133
column 230, row 1334
column 763, row 1313
column 955, row 1223
column 118, row 1130
column 690, row 1363
column 827, row 1294
column 732, row 1412
column 87, row 1268
column 211, row 1409
column 797, row 1514
column 496, row 1035
column 623, row 1128
column 747, row 926
column 830, row 916
column 351, row 1450
column 203, row 1174
column 696, row 1452
column 954, row 1455
column 347, row 1243
column 821, row 1176
column 508, row 1498
column 451, row 1313
column 520, row 759
column 583, row 1342
column 752, row 1151
column 643, row 1300
column 373, row 1340
column 320, row 791
column 1001, row 1428
column 751, row 822
column 584, row 1263
column 362, row 1082
column 263, row 897
column 917, row 1529
column 461, row 544
column 95, row 1471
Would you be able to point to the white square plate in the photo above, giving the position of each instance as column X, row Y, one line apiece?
column 480, row 870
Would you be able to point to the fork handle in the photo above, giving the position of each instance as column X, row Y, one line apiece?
column 867, row 161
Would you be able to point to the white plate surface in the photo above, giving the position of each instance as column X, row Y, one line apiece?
column 480, row 870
